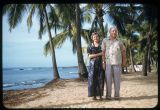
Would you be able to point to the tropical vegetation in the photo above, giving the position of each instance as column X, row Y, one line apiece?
column 137, row 25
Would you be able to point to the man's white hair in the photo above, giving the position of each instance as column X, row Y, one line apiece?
column 113, row 27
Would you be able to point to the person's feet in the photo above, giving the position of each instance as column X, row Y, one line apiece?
column 100, row 98
column 117, row 98
column 108, row 98
column 94, row 98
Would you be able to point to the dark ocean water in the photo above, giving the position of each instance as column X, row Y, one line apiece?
column 26, row 78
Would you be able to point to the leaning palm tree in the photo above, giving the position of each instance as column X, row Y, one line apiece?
column 15, row 12
column 44, row 20
column 69, row 31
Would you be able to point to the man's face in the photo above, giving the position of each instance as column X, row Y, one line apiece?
column 113, row 33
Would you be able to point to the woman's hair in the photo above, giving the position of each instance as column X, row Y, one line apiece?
column 94, row 33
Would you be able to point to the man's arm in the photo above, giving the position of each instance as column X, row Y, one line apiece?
column 123, row 51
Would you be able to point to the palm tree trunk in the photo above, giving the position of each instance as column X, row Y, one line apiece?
column 145, row 63
column 131, row 57
column 148, row 60
column 96, row 27
column 100, row 16
column 157, row 66
column 54, row 64
column 144, row 70
column 147, row 52
column 132, row 64
column 101, row 27
column 82, row 68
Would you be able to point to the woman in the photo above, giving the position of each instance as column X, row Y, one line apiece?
column 96, row 73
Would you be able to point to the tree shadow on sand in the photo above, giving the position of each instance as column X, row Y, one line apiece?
column 104, row 100
column 153, row 78
column 139, row 97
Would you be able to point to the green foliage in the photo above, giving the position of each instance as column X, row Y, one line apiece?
column 15, row 14
column 67, row 23
column 134, row 21
column 57, row 40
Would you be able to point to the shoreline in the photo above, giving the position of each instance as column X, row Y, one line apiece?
column 136, row 91
column 33, row 77
column 33, row 93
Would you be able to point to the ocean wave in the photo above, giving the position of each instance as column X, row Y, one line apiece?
column 8, row 85
column 43, row 81
column 72, row 72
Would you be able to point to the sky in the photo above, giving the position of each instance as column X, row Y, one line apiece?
column 22, row 48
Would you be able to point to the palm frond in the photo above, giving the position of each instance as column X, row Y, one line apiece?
column 86, row 17
column 74, row 45
column 42, row 22
column 42, row 28
column 58, row 40
column 15, row 14
column 5, row 9
column 29, row 19
column 93, row 25
column 86, row 35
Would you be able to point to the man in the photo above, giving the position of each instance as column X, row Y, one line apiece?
column 114, row 57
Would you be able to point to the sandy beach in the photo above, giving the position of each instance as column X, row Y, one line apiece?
column 137, row 91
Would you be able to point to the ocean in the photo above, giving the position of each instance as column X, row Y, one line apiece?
column 34, row 77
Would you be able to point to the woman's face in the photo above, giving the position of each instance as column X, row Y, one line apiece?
column 113, row 33
column 95, row 38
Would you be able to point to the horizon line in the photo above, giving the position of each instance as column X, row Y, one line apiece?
column 42, row 67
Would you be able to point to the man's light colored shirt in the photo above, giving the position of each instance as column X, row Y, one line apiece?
column 113, row 50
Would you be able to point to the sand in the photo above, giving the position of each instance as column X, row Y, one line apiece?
column 137, row 91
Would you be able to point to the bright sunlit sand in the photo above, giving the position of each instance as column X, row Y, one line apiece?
column 137, row 91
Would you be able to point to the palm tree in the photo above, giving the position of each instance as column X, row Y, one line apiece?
column 134, row 14
column 70, row 30
column 150, row 14
column 137, row 14
column 82, row 67
column 129, row 33
column 15, row 15
column 153, row 44
column 56, row 74
column 99, row 10
column 115, row 12
column 99, row 17
column 43, row 18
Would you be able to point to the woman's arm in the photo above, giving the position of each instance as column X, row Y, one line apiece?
column 95, row 55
